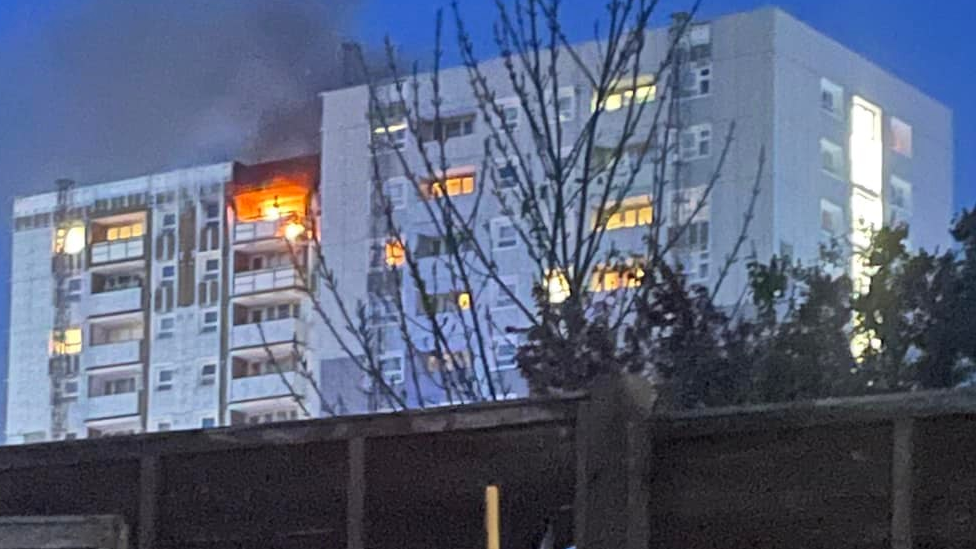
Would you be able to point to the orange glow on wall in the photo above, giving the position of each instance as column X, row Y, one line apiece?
column 282, row 198
column 395, row 255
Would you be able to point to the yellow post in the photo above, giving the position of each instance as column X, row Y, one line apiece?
column 492, row 519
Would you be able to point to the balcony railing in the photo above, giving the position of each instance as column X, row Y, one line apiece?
column 117, row 250
column 266, row 386
column 124, row 404
column 258, row 230
column 275, row 331
column 117, row 301
column 266, row 280
column 112, row 354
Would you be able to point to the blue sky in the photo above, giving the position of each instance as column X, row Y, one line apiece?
column 41, row 50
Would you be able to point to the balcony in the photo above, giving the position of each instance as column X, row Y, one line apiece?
column 275, row 331
column 117, row 250
column 118, row 301
column 125, row 404
column 261, row 387
column 266, row 280
column 112, row 354
column 258, row 230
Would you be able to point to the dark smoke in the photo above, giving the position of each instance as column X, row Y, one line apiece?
column 106, row 89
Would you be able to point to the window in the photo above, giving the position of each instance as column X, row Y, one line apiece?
column 448, row 361
column 447, row 302
column 212, row 210
column 67, row 342
column 213, row 268
column 164, row 426
column 394, row 136
column 566, row 105
column 901, row 137
column 169, row 220
column 900, row 194
column 614, row 277
column 169, row 271
column 504, row 235
column 453, row 185
column 832, row 158
column 505, row 352
column 70, row 241
column 622, row 96
column 696, row 142
column 510, row 116
column 208, row 374
column 697, row 81
column 504, row 299
column 395, row 192
column 69, row 389
column 165, row 380
column 507, row 176
column 464, row 301
column 831, row 98
column 208, row 423
column 74, row 290
column 394, row 253
column 698, row 236
column 167, row 325
column 124, row 232
column 457, row 128
column 866, row 150
column 115, row 387
column 831, row 219
column 632, row 212
column 392, row 369
column 210, row 319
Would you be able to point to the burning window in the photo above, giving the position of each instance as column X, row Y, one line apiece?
column 609, row 278
column 395, row 254
column 66, row 342
column 70, row 240
column 632, row 212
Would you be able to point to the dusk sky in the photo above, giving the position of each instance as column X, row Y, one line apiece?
column 44, row 53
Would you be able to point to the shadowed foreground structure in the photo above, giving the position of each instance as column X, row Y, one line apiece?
column 894, row 471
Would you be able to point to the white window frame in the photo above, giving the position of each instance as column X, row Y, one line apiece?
column 506, row 366
column 65, row 393
column 400, row 377
column 497, row 225
column 837, row 153
column 208, row 379
column 896, row 126
column 502, row 300
column 165, row 385
column 700, row 134
column 164, row 333
column 205, row 325
column 700, row 73
column 392, row 183
column 569, row 114
column 836, row 93
column 508, row 106
column 905, row 188
column 502, row 164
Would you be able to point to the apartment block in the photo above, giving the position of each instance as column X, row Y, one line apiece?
column 848, row 147
column 169, row 301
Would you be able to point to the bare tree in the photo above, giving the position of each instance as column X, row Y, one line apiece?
column 554, row 178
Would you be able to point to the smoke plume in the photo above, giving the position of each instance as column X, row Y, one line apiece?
column 106, row 89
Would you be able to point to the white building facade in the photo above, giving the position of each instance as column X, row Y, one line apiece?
column 848, row 147
column 169, row 301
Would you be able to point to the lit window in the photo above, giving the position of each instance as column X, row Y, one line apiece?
column 901, row 137
column 866, row 151
column 391, row 368
column 451, row 186
column 557, row 286
column 504, row 234
column 696, row 142
column 165, row 380
column 622, row 96
column 831, row 158
column 464, row 301
column 831, row 219
column 615, row 277
column 831, row 97
column 632, row 212
column 70, row 241
column 124, row 232
column 208, row 374
column 66, row 342
column 395, row 254
column 394, row 136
